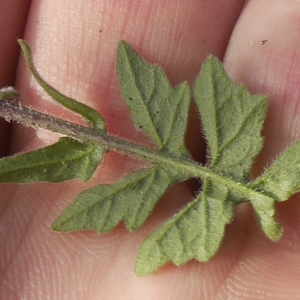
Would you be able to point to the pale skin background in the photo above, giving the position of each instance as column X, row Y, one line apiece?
column 74, row 44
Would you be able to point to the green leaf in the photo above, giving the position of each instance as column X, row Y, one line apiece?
column 92, row 116
column 232, row 120
column 156, row 108
column 64, row 160
column 131, row 199
column 234, row 140
column 264, row 207
column 195, row 232
column 281, row 179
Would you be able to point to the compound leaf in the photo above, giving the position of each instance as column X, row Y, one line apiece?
column 234, row 140
column 63, row 160
column 232, row 120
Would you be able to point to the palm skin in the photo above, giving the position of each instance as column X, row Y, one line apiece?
column 74, row 44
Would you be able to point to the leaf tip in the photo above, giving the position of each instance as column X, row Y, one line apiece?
column 59, row 225
column 122, row 46
column 145, row 268
column 22, row 43
column 276, row 233
column 24, row 47
column 56, row 226
column 212, row 60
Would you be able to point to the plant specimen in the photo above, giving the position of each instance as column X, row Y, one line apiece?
column 232, row 121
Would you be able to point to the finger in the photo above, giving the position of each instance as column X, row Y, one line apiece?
column 263, row 53
column 266, row 60
column 12, row 21
column 98, row 38
column 86, row 70
column 74, row 46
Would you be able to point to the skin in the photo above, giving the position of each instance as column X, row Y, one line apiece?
column 74, row 46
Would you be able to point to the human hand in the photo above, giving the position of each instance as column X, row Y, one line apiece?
column 74, row 45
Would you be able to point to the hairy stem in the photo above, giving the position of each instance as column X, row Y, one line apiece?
column 14, row 111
